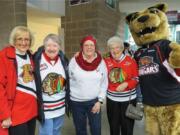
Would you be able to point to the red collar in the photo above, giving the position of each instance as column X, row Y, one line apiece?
column 88, row 66
column 49, row 59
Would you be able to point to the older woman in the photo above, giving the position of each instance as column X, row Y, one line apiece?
column 51, row 74
column 17, row 86
column 88, row 85
column 123, row 78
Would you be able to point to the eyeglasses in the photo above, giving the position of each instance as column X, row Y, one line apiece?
column 23, row 39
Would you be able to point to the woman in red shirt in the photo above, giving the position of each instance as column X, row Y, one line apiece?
column 123, row 78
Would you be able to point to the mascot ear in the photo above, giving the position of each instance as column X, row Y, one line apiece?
column 130, row 17
column 163, row 7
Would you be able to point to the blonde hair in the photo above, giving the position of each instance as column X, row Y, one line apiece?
column 115, row 40
column 17, row 31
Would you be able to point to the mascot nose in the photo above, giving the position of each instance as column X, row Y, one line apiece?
column 143, row 18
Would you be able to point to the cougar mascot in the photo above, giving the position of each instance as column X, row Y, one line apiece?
column 159, row 69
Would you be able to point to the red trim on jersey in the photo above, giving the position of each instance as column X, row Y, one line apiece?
column 49, row 59
column 177, row 71
column 54, row 105
column 22, row 113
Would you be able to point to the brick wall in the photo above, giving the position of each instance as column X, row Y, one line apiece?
column 12, row 13
column 91, row 18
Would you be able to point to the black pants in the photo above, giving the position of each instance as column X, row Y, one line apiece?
column 27, row 128
column 117, row 119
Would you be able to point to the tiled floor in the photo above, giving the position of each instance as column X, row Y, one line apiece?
column 68, row 128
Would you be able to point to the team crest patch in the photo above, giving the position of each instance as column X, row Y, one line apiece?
column 117, row 75
column 145, row 61
column 147, row 66
column 43, row 66
column 27, row 73
column 53, row 83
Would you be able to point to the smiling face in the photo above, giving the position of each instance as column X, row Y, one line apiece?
column 52, row 48
column 88, row 48
column 22, row 42
column 116, row 50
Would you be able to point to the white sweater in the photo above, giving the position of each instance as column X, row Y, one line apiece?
column 87, row 85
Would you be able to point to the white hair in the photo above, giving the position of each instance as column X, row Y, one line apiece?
column 55, row 38
column 115, row 40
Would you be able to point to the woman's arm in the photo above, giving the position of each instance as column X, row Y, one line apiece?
column 5, row 112
column 104, row 82
column 132, row 83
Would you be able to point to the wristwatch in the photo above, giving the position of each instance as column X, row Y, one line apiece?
column 100, row 100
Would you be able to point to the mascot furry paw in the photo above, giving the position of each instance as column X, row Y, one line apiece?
column 159, row 69
column 174, row 59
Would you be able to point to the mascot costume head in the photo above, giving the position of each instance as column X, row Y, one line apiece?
column 151, row 25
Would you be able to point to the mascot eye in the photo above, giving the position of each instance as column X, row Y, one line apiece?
column 154, row 11
column 134, row 17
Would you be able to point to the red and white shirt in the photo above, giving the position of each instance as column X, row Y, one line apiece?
column 25, row 102
column 123, row 70
column 53, row 87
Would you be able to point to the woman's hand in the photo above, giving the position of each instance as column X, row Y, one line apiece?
column 96, row 108
column 6, row 123
column 122, row 87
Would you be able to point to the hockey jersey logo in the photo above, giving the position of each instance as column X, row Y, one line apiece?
column 43, row 66
column 53, row 83
column 27, row 73
column 117, row 75
column 147, row 66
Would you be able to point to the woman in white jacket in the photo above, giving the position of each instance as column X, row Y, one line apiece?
column 88, row 85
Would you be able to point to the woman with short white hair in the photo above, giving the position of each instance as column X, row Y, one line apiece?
column 52, row 80
column 123, row 78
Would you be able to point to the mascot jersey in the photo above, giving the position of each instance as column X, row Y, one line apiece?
column 153, row 71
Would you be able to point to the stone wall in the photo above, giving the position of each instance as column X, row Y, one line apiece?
column 90, row 18
column 12, row 13
column 108, row 24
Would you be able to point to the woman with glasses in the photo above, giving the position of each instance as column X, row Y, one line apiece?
column 88, row 85
column 17, row 86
